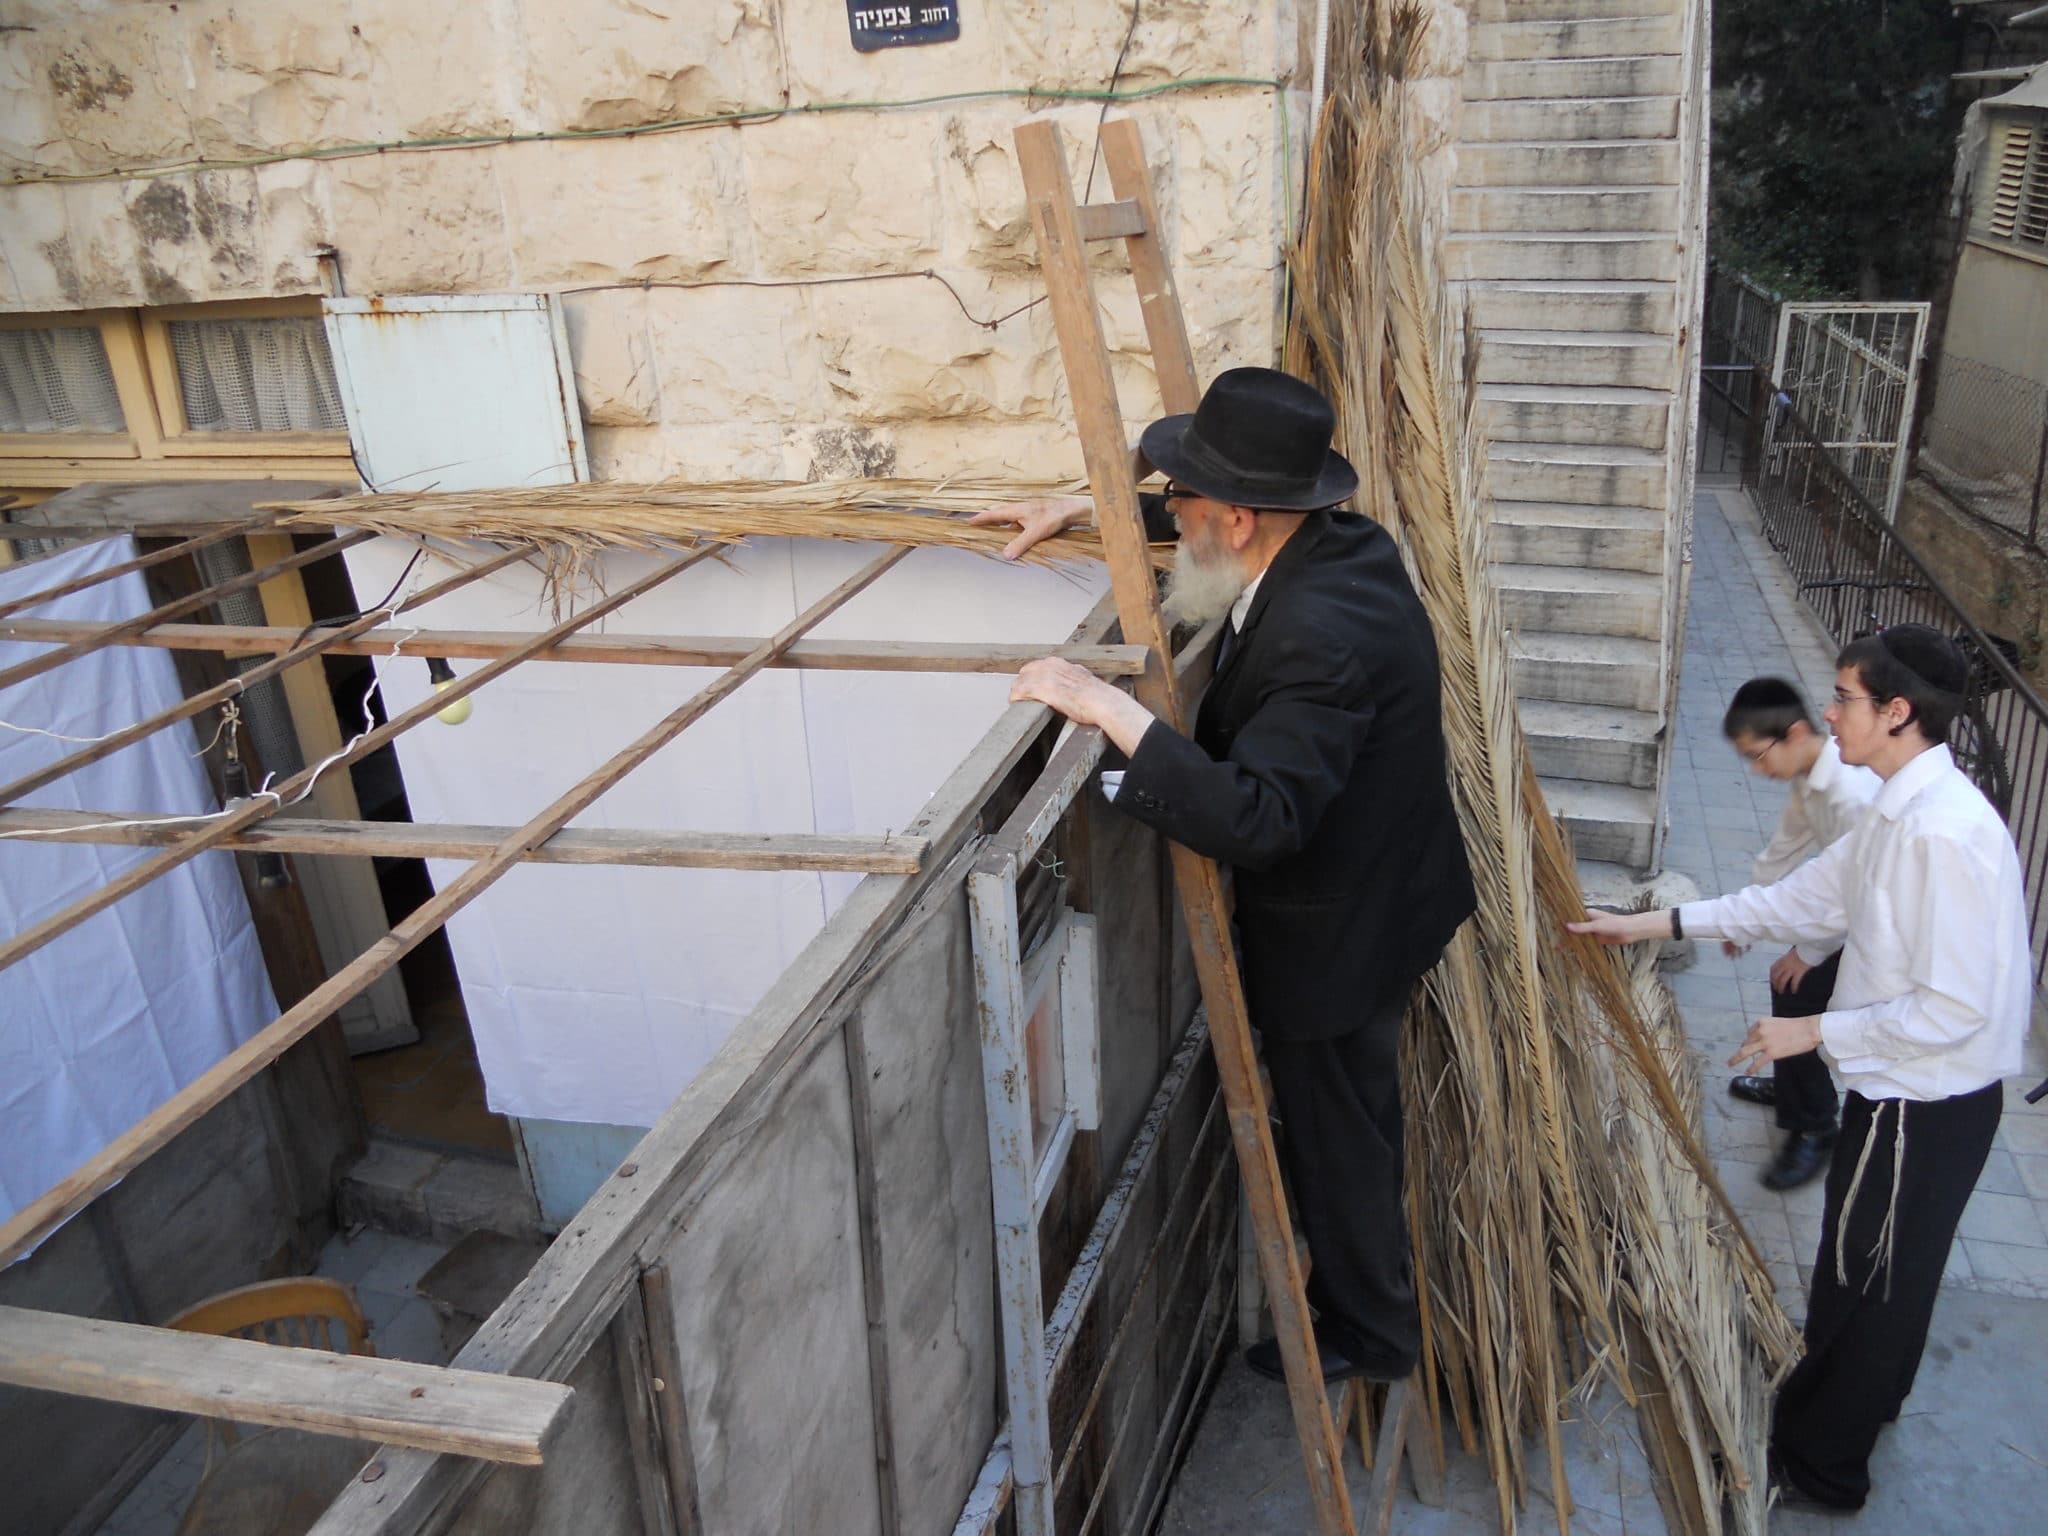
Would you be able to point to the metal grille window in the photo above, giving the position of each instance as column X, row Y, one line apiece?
column 57, row 380
column 260, row 375
column 2018, row 208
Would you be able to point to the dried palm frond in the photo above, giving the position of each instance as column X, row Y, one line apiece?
column 569, row 524
column 1570, row 1227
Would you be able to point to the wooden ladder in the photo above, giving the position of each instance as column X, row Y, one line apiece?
column 1064, row 228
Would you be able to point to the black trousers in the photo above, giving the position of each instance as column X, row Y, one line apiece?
column 1864, row 1334
column 1339, row 1103
column 1806, row 1093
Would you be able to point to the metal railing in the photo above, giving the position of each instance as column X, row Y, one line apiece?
column 1739, row 333
column 1858, row 576
column 1985, row 443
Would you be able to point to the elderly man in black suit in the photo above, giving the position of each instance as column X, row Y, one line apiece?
column 1316, row 772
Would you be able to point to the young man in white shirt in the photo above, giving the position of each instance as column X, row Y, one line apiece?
column 1769, row 724
column 1929, row 1014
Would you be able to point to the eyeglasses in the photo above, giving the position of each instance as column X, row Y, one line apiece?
column 1753, row 758
column 1857, row 698
column 1174, row 493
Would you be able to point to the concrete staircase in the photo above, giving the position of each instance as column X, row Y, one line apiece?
column 1567, row 242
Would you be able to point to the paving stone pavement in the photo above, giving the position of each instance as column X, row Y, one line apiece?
column 1971, row 1450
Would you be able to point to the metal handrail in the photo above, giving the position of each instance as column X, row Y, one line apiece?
column 1836, row 543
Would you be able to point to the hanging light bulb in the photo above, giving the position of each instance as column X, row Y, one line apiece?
column 443, row 677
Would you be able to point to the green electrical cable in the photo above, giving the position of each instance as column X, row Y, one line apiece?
column 672, row 125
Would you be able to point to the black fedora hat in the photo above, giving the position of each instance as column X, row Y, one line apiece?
column 1260, row 438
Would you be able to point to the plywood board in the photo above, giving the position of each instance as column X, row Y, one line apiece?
column 921, row 1045
column 771, row 1321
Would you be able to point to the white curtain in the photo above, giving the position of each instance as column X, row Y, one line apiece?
column 256, row 376
column 57, row 380
column 107, row 1021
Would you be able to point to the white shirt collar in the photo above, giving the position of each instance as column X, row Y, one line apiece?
column 1903, row 787
column 1827, row 766
column 1243, row 605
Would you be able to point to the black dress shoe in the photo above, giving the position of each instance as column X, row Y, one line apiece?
column 1803, row 1158
column 1264, row 1357
column 1755, row 1090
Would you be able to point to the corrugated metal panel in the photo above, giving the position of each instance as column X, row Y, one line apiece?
column 457, row 393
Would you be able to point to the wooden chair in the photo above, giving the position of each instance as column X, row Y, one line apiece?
column 273, row 1483
column 300, row 1313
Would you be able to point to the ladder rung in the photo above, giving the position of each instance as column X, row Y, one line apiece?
column 1111, row 221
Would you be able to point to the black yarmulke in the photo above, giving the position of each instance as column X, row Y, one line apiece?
column 1929, row 654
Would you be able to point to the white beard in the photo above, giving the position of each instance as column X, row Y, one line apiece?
column 1203, row 585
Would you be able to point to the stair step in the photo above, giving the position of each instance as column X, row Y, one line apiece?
column 1575, row 413
column 1578, row 37
column 1575, row 119
column 1613, row 822
column 1577, row 536
column 1588, row 669
column 1596, row 742
column 1524, row 79
column 1553, row 599
column 1527, row 210
column 1612, row 358
column 1590, row 474
column 1562, row 255
column 1487, row 11
column 1568, row 162
column 1565, row 304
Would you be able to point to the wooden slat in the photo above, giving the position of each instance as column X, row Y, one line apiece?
column 618, row 650
column 1112, row 221
column 359, row 1397
column 890, row 854
column 1173, row 357
column 41, row 1216
column 251, row 811
column 672, row 1418
column 1098, row 416
column 126, row 567
column 65, row 544
column 35, row 666
column 637, row 1396
column 319, row 643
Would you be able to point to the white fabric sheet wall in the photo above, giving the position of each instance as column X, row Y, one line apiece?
column 596, row 994
column 104, row 1023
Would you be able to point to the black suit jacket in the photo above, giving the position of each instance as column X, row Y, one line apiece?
column 1317, row 772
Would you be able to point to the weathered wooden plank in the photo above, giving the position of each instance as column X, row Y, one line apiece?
column 126, row 567
column 235, row 686
column 771, row 1317
column 616, row 650
column 892, row 853
column 1173, row 358
column 107, row 634
column 469, row 1413
column 634, row 1361
column 549, row 1320
column 930, row 1267
column 1111, row 221
column 672, row 1416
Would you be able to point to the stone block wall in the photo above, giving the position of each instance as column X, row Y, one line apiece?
column 931, row 364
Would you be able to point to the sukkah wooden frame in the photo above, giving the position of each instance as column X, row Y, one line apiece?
column 471, row 1413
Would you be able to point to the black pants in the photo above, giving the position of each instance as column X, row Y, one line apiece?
column 1339, row 1103
column 1864, row 1335
column 1806, row 1093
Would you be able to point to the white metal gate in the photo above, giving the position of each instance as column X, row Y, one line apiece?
column 1851, row 372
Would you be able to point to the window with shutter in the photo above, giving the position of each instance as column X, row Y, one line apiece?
column 2008, row 191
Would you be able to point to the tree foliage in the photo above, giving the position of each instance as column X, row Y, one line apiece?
column 1833, row 138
